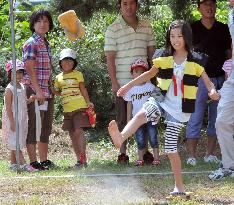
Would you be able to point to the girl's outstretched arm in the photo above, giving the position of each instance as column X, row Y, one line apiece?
column 213, row 94
column 144, row 77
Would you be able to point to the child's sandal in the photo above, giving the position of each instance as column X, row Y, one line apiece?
column 156, row 162
column 176, row 193
column 139, row 163
column 183, row 195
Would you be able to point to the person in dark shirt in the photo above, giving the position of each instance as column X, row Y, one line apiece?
column 212, row 38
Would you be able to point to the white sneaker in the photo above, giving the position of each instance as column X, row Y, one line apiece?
column 13, row 167
column 211, row 159
column 191, row 161
column 221, row 173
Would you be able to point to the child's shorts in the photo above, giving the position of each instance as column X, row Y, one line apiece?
column 75, row 120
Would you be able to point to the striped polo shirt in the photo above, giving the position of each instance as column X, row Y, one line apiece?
column 129, row 45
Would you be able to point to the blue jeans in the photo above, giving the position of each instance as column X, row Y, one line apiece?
column 196, row 120
column 147, row 130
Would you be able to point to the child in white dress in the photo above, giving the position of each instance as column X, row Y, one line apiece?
column 8, row 116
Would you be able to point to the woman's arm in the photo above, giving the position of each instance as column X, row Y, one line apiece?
column 213, row 94
column 30, row 99
column 144, row 77
column 30, row 65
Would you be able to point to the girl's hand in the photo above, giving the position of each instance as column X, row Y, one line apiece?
column 214, row 95
column 12, row 126
column 123, row 90
column 90, row 104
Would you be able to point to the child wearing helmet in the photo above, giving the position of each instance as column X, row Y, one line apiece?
column 8, row 116
column 69, row 84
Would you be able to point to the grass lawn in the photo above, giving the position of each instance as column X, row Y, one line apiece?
column 90, row 186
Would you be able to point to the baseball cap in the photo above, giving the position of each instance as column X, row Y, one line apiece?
column 202, row 1
column 19, row 65
column 139, row 63
column 67, row 53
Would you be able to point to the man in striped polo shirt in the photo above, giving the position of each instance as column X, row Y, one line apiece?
column 126, row 40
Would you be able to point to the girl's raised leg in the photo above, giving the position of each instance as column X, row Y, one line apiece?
column 132, row 126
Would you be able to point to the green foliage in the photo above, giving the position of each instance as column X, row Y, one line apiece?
column 181, row 8
column 85, row 8
column 161, row 17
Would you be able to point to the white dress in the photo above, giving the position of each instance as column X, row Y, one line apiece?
column 9, row 137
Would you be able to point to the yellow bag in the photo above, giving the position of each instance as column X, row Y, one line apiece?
column 71, row 25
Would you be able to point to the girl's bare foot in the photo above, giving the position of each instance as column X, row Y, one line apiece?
column 115, row 134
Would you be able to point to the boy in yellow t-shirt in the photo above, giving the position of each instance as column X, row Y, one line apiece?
column 69, row 84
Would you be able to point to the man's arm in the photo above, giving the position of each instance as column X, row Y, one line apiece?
column 110, row 57
column 150, row 52
column 30, row 65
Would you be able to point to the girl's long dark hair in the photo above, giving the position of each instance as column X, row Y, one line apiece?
column 186, row 33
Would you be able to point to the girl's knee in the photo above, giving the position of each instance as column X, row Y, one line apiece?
column 140, row 116
column 172, row 153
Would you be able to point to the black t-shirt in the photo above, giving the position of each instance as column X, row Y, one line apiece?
column 214, row 42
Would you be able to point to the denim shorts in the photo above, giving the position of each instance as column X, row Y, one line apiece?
column 195, row 122
column 147, row 131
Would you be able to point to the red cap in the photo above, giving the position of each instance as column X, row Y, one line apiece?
column 139, row 63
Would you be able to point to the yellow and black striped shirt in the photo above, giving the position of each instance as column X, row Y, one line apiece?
column 194, row 67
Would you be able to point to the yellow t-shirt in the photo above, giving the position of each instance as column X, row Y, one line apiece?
column 68, row 84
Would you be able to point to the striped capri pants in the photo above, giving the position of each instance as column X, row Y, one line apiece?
column 153, row 111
